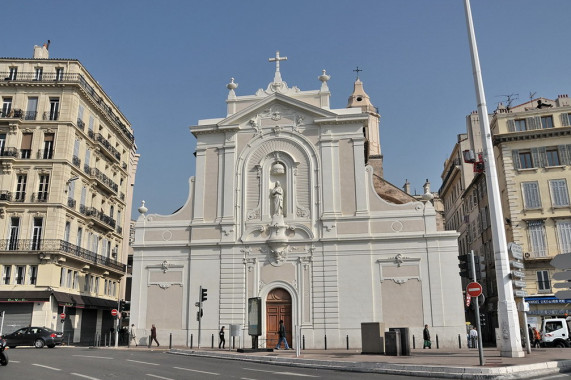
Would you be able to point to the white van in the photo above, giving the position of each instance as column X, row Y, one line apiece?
column 556, row 332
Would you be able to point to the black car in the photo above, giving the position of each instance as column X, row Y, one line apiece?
column 34, row 336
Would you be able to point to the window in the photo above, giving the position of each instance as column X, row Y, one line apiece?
column 20, row 274
column 564, row 235
column 37, row 233
column 48, row 146
column 43, row 187
column 32, row 109
column 79, row 236
column 75, row 280
column 6, row 274
column 6, row 106
column 531, row 197
column 546, row 122
column 68, row 279
column 553, row 326
column 21, row 187
column 552, row 157
column 543, row 283
column 536, row 232
column 26, row 147
column 62, row 277
column 520, row 125
column 59, row 73
column 39, row 73
column 14, row 233
column 66, row 231
column 559, row 193
column 33, row 275
column 525, row 160
column 54, row 108
column 96, row 288
column 13, row 73
column 2, row 143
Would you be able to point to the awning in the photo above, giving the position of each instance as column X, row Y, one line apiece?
column 76, row 300
column 545, row 300
column 24, row 296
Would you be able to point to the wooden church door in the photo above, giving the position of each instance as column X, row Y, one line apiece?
column 278, row 307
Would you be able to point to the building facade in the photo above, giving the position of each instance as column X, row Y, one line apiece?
column 68, row 162
column 289, row 207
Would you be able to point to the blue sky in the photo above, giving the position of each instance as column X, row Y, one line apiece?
column 166, row 65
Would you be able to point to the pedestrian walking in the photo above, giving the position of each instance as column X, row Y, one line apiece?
column 536, row 338
column 426, row 337
column 153, row 336
column 474, row 337
column 282, row 336
column 222, row 339
column 133, row 336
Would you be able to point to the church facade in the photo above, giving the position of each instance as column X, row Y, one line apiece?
column 288, row 205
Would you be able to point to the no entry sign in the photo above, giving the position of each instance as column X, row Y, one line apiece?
column 114, row 312
column 474, row 289
column 62, row 315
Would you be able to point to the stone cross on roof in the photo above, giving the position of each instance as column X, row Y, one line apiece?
column 277, row 59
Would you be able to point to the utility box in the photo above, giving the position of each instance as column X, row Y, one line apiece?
column 372, row 338
column 404, row 339
column 392, row 343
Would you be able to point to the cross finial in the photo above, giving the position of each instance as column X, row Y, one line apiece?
column 277, row 60
column 357, row 70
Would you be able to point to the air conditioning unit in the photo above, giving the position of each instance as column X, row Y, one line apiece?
column 527, row 255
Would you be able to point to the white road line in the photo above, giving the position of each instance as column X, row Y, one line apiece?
column 84, row 376
column 195, row 370
column 158, row 377
column 45, row 366
column 136, row 361
column 280, row 373
column 246, row 378
column 14, row 361
column 94, row 357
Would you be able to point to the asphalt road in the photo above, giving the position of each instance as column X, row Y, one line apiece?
column 79, row 362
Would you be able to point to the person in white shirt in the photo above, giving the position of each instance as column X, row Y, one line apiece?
column 474, row 337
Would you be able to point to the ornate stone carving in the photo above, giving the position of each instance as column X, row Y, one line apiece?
column 302, row 212
column 254, row 214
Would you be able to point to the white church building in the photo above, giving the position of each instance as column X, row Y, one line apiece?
column 288, row 205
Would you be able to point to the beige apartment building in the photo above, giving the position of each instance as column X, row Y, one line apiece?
column 68, row 162
column 533, row 156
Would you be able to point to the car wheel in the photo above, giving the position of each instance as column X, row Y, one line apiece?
column 560, row 345
column 12, row 346
column 51, row 345
column 39, row 343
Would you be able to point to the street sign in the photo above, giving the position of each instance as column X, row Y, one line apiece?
column 516, row 264
column 562, row 261
column 520, row 293
column 517, row 273
column 468, row 299
column 474, row 289
column 562, row 276
column 114, row 312
column 62, row 315
column 519, row 284
column 515, row 250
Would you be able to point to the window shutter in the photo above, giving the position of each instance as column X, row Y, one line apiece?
column 76, row 148
column 511, row 126
column 535, row 157
column 532, row 123
column 537, row 237
column 27, row 141
column 564, row 119
column 542, row 154
column 515, row 159
column 564, row 233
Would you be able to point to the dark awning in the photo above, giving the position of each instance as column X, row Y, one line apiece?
column 76, row 300
column 25, row 296
column 99, row 303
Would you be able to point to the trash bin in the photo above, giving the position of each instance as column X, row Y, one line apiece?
column 392, row 343
column 404, row 339
column 372, row 340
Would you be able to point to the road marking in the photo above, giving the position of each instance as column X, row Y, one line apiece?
column 195, row 370
column 45, row 366
column 94, row 357
column 137, row 361
column 84, row 376
column 280, row 373
column 159, row 377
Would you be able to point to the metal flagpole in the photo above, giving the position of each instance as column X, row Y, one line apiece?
column 510, row 341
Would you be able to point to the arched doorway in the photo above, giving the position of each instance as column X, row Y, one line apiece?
column 278, row 306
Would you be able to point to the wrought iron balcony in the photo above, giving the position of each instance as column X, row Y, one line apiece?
column 101, row 178
column 41, row 196
column 80, row 124
column 50, row 115
column 30, row 115
column 14, row 113
column 9, row 152
column 45, row 154
column 71, row 203
column 59, row 247
column 5, row 196
column 76, row 161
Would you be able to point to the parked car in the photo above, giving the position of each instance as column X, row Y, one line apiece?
column 34, row 336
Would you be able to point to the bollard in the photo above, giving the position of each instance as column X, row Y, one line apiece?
column 413, row 343
column 303, row 342
column 437, row 341
column 212, row 340
column 347, row 341
column 325, row 342
column 233, row 342
column 105, row 340
column 170, row 341
column 149, row 346
column 191, row 339
column 459, row 341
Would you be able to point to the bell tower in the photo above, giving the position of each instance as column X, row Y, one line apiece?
column 360, row 99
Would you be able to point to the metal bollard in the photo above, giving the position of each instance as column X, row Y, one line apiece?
column 233, row 342
column 212, row 340
column 191, row 339
column 413, row 343
column 325, row 342
column 170, row 341
column 303, row 342
column 105, row 340
column 459, row 341
column 437, row 346
column 347, row 341
column 149, row 346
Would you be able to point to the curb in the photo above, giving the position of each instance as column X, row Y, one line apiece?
column 525, row 371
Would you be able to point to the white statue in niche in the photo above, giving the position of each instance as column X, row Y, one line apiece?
column 278, row 199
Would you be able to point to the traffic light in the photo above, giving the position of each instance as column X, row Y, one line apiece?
column 121, row 305
column 483, row 319
column 480, row 267
column 203, row 294
column 465, row 266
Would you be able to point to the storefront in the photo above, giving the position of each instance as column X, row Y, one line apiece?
column 546, row 306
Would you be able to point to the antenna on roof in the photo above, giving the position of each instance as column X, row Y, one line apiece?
column 531, row 95
column 509, row 99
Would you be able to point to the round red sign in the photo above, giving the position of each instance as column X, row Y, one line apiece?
column 474, row 289
column 114, row 312
column 62, row 315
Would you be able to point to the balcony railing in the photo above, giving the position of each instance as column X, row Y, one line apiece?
column 97, row 216
column 5, row 196
column 50, row 115
column 81, row 124
column 71, row 78
column 71, row 203
column 76, row 161
column 14, row 113
column 30, row 115
column 45, row 154
column 102, row 178
column 59, row 246
column 41, row 196
column 9, row 152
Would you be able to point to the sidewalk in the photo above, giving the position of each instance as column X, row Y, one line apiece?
column 462, row 363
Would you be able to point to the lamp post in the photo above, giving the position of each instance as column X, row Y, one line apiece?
column 510, row 340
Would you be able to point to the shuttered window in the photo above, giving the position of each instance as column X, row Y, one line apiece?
column 531, row 199
column 564, row 235
column 537, row 242
column 559, row 192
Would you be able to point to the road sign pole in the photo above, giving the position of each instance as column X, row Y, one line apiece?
column 477, row 306
column 199, row 313
column 2, row 323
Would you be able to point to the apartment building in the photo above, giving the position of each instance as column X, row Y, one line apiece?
column 68, row 162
